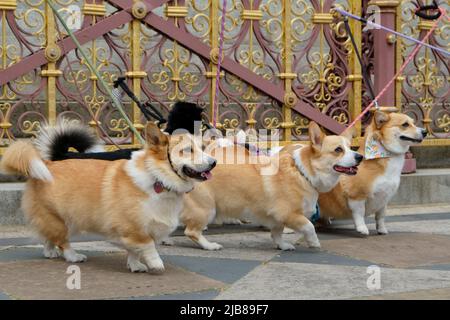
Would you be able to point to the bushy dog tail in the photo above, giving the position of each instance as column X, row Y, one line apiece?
column 22, row 158
column 183, row 116
column 54, row 142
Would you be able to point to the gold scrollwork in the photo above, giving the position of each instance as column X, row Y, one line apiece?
column 31, row 127
column 444, row 123
column 230, row 123
column 119, row 127
column 341, row 118
column 271, row 123
column 300, row 125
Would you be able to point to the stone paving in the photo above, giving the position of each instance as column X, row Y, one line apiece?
column 414, row 262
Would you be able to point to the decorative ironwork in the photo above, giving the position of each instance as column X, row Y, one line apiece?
column 425, row 86
column 297, row 45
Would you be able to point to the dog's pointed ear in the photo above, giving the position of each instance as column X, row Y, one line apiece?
column 349, row 133
column 154, row 136
column 316, row 135
column 380, row 118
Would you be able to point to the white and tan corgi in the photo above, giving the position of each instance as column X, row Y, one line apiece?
column 285, row 198
column 136, row 202
column 369, row 191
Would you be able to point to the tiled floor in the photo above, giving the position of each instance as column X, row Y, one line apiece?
column 414, row 263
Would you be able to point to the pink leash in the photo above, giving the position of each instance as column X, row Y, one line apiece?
column 399, row 72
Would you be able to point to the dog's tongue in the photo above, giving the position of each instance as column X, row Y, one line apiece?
column 207, row 175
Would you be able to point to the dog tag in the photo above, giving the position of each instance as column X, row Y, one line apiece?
column 158, row 187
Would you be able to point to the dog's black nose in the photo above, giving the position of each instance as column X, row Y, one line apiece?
column 424, row 132
column 213, row 164
column 359, row 157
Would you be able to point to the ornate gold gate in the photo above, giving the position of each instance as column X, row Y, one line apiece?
column 286, row 62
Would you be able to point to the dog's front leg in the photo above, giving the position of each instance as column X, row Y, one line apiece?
column 133, row 262
column 298, row 222
column 277, row 237
column 358, row 208
column 144, row 247
column 379, row 218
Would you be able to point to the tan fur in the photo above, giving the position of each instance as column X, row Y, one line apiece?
column 385, row 127
column 102, row 197
column 279, row 200
column 17, row 158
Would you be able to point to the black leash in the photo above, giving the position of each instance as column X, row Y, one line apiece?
column 148, row 110
column 365, row 74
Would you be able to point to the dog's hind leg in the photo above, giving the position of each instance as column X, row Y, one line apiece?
column 301, row 224
column 358, row 208
column 55, row 232
column 197, row 236
column 379, row 218
column 277, row 237
column 50, row 250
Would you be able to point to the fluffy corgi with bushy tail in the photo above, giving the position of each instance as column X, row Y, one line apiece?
column 136, row 202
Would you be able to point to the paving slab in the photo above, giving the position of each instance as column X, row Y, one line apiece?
column 102, row 277
column 316, row 281
column 224, row 270
column 306, row 255
column 254, row 246
column 396, row 249
column 428, row 226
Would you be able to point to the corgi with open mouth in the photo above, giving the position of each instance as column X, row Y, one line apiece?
column 136, row 202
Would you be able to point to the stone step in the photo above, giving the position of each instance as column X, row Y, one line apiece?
column 424, row 188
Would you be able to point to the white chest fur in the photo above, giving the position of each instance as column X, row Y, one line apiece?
column 161, row 213
column 386, row 185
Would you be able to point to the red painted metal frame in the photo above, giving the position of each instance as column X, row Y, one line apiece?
column 185, row 39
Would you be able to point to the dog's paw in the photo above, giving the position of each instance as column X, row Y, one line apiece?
column 382, row 231
column 137, row 266
column 212, row 246
column 51, row 253
column 314, row 245
column 363, row 230
column 75, row 257
column 286, row 246
column 155, row 266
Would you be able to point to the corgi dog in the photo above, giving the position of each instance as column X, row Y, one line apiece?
column 136, row 202
column 285, row 198
column 369, row 191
